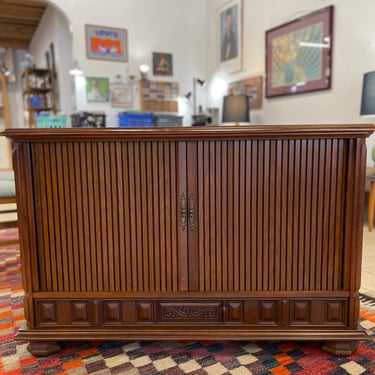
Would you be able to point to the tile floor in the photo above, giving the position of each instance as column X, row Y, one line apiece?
column 368, row 263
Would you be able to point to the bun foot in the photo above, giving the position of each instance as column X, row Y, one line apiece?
column 340, row 348
column 43, row 348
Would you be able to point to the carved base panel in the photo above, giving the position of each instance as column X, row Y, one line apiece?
column 269, row 312
column 322, row 319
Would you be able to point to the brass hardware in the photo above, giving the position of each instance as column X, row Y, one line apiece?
column 191, row 212
column 183, row 211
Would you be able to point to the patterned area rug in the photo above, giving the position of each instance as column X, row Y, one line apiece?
column 166, row 357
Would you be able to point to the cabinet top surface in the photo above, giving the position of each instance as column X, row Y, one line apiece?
column 191, row 133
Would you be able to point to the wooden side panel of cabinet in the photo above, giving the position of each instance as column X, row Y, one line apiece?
column 107, row 216
column 270, row 214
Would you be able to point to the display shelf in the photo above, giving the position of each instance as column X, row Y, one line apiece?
column 38, row 93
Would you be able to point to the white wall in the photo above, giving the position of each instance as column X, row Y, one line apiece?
column 54, row 28
column 353, row 55
column 188, row 30
column 173, row 26
column 15, row 91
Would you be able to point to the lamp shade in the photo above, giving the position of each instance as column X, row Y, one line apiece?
column 368, row 95
column 236, row 108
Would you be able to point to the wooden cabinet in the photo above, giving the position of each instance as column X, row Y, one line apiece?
column 192, row 233
column 38, row 87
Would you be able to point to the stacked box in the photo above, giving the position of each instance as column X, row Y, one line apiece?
column 135, row 120
column 165, row 119
column 51, row 121
column 88, row 120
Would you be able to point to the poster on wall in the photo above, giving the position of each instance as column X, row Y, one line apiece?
column 229, row 41
column 122, row 95
column 97, row 89
column 106, row 43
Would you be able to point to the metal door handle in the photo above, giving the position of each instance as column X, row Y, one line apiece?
column 191, row 212
column 183, row 211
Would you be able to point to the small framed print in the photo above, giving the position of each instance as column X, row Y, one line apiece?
column 97, row 89
column 252, row 87
column 162, row 64
column 122, row 95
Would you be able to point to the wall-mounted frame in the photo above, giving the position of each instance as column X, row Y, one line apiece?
column 122, row 95
column 162, row 64
column 106, row 43
column 299, row 55
column 97, row 89
column 229, row 40
column 252, row 87
column 159, row 96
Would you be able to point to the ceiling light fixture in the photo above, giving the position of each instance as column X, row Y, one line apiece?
column 76, row 70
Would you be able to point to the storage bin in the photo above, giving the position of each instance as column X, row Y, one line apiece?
column 88, row 120
column 135, row 120
column 165, row 119
column 50, row 121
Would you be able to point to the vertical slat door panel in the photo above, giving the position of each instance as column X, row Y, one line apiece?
column 269, row 215
column 107, row 213
column 277, row 221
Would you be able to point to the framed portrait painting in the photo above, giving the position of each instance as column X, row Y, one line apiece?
column 162, row 64
column 299, row 55
column 97, row 89
column 229, row 41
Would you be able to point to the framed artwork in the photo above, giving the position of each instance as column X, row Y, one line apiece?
column 162, row 64
column 97, row 89
column 299, row 55
column 229, row 41
column 252, row 87
column 106, row 43
column 122, row 95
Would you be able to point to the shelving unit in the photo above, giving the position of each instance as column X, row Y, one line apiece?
column 38, row 93
column 159, row 96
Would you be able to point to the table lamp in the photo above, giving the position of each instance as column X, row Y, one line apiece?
column 236, row 109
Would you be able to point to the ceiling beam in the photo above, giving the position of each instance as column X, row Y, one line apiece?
column 18, row 22
column 11, row 43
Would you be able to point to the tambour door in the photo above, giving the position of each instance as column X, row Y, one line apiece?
column 107, row 216
column 269, row 214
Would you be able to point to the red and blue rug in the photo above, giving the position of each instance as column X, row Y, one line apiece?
column 165, row 357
